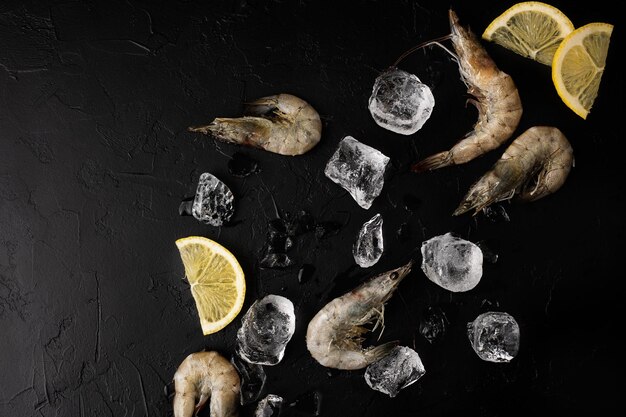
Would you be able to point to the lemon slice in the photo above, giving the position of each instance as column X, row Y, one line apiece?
column 578, row 66
column 531, row 29
column 217, row 281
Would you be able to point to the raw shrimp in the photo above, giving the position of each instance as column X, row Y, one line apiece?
column 335, row 334
column 535, row 165
column 282, row 124
column 495, row 97
column 205, row 375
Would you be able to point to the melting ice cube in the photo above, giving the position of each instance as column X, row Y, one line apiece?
column 359, row 169
column 269, row 406
column 368, row 247
column 213, row 203
column 433, row 324
column 494, row 336
column 452, row 263
column 399, row 369
column 265, row 330
column 252, row 379
column 400, row 102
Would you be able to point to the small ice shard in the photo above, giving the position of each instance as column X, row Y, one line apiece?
column 399, row 369
column 368, row 247
column 213, row 203
column 452, row 263
column 496, row 213
column 241, row 165
column 404, row 232
column 494, row 336
column 433, row 324
column 305, row 273
column 276, row 261
column 269, row 406
column 400, row 102
column 252, row 379
column 309, row 403
column 359, row 169
column 186, row 207
column 265, row 330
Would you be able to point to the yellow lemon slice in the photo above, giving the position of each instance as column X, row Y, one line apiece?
column 578, row 66
column 531, row 29
column 217, row 281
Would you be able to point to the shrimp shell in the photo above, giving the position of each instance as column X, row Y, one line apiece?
column 205, row 375
column 535, row 165
column 335, row 334
column 283, row 124
column 495, row 96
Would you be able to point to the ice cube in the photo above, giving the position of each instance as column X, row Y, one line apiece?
column 494, row 336
column 433, row 324
column 213, row 203
column 368, row 247
column 241, row 165
column 452, row 263
column 308, row 404
column 400, row 102
column 399, row 369
column 252, row 379
column 269, row 406
column 359, row 169
column 265, row 330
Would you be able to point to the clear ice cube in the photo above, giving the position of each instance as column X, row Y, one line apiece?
column 452, row 263
column 400, row 102
column 359, row 169
column 269, row 406
column 399, row 369
column 213, row 203
column 265, row 330
column 494, row 336
column 433, row 324
column 368, row 247
column 252, row 377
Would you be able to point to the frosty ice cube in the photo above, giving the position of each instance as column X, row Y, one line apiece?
column 494, row 336
column 400, row 102
column 452, row 263
column 213, row 203
column 252, row 379
column 269, row 406
column 265, row 330
column 368, row 247
column 399, row 369
column 359, row 169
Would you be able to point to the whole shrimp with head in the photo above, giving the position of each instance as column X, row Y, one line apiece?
column 535, row 165
column 282, row 124
column 335, row 334
column 203, row 376
column 495, row 96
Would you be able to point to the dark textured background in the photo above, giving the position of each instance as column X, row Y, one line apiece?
column 95, row 158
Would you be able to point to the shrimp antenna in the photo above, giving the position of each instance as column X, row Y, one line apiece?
column 435, row 41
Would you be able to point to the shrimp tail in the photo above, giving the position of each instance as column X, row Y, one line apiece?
column 438, row 160
column 381, row 351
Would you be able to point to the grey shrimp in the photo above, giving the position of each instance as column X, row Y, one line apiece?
column 283, row 124
column 495, row 96
column 535, row 165
column 335, row 334
column 203, row 376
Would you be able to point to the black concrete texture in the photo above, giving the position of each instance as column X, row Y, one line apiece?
column 95, row 159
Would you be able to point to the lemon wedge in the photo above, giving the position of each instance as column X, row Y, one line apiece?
column 578, row 66
column 531, row 29
column 217, row 281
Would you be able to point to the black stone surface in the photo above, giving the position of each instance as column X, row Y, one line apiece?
column 95, row 100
